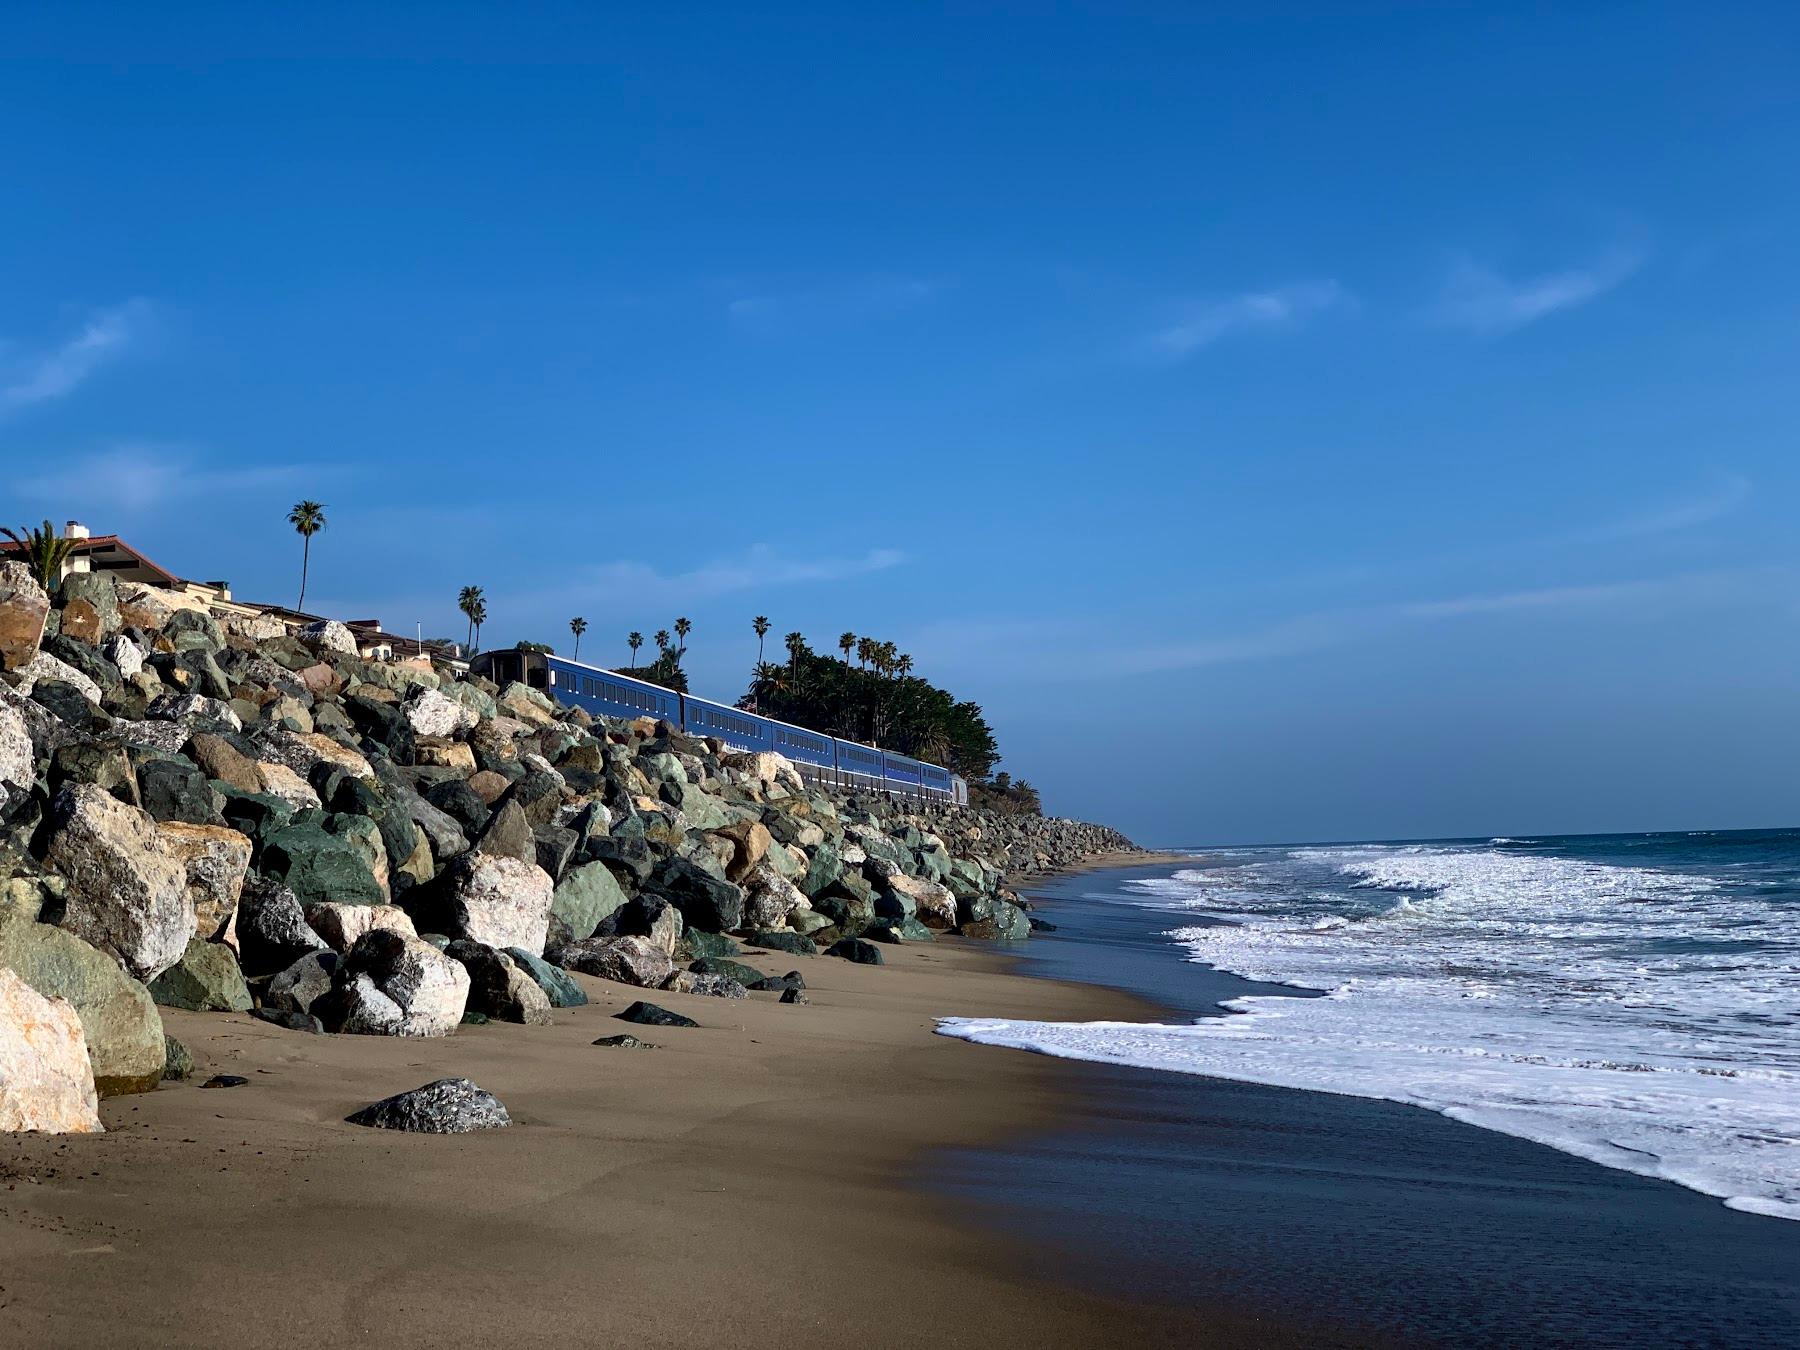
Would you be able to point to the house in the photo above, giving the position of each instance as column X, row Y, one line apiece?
column 110, row 554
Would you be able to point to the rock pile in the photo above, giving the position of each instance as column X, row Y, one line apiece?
column 198, row 812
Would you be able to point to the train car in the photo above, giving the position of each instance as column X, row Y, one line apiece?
column 829, row 759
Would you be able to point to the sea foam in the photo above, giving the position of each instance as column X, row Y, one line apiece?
column 1641, row 1018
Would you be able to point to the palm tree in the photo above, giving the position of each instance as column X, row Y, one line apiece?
column 796, row 643
column 904, row 666
column 578, row 627
column 682, row 629
column 661, row 638
column 468, row 601
column 845, row 642
column 480, row 617
column 307, row 518
column 761, row 626
column 865, row 650
column 45, row 552
column 634, row 640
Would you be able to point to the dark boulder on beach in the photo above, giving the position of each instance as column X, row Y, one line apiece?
column 856, row 950
column 448, row 1106
column 650, row 1015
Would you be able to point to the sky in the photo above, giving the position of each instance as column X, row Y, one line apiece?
column 1288, row 421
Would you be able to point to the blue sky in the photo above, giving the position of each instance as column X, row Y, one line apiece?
column 1376, row 419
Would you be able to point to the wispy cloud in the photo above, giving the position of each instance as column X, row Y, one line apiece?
column 760, row 567
column 1699, row 510
column 55, row 372
column 140, row 477
column 1481, row 300
column 1284, row 307
column 776, row 311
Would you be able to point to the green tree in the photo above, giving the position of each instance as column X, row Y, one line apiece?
column 634, row 640
column 480, row 617
column 760, row 625
column 845, row 642
column 45, row 552
column 577, row 626
column 307, row 518
column 468, row 602
column 661, row 639
column 682, row 629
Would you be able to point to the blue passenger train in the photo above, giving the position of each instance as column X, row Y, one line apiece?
column 818, row 756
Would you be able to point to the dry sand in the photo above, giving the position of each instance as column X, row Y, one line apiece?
column 750, row 1180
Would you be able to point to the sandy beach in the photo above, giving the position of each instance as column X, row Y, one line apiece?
column 749, row 1178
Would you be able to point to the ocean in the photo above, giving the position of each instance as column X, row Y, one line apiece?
column 1633, row 1000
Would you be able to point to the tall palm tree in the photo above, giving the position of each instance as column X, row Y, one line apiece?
column 578, row 626
column 682, row 629
column 307, row 518
column 865, row 651
column 904, row 665
column 845, row 642
column 45, row 552
column 634, row 640
column 661, row 638
column 796, row 643
column 760, row 624
column 480, row 617
column 468, row 601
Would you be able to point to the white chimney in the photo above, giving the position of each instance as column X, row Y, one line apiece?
column 74, row 529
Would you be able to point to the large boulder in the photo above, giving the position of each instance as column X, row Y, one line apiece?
column 123, row 1030
column 587, row 896
column 500, row 902
column 558, row 987
column 430, row 713
column 906, row 897
column 216, row 860
column 302, row 984
column 128, row 889
column 625, row 960
column 328, row 635
column 46, row 1083
column 272, row 931
column 707, row 902
column 770, row 898
column 498, row 987
column 319, row 866
column 206, row 979
column 23, row 608
column 750, row 844
column 342, row 925
column 386, row 971
column 448, row 1106
column 18, row 757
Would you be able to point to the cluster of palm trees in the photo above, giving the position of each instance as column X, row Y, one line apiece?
column 473, row 603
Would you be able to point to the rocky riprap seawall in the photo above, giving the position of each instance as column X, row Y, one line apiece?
column 215, row 814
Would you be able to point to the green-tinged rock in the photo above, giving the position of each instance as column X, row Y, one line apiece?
column 914, row 931
column 206, row 979
column 586, row 896
column 178, row 1061
column 856, row 950
column 793, row 943
column 650, row 1015
column 558, row 987
column 735, row 970
column 696, row 944
column 808, row 921
column 319, row 866
column 124, row 1031
column 822, row 870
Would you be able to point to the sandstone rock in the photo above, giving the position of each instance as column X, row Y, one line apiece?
column 340, row 925
column 429, row 990
column 46, row 1083
column 526, row 704
column 750, row 844
column 448, row 1106
column 128, row 889
column 206, row 979
column 770, row 898
column 499, row 902
column 215, row 861
column 624, row 960
column 430, row 713
column 23, row 608
column 328, row 635
column 498, row 987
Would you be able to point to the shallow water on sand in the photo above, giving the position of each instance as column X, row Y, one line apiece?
column 1386, row 1220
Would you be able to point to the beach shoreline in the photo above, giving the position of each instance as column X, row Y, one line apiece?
column 758, row 1171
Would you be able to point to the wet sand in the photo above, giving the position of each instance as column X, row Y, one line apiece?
column 755, row 1178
